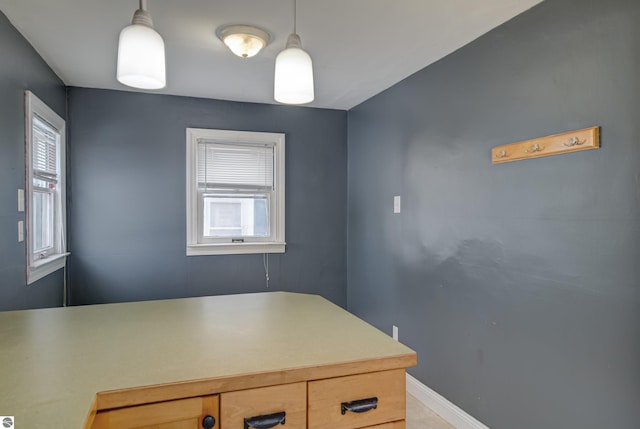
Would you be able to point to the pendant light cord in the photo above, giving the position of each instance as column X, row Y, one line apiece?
column 294, row 16
column 265, row 263
column 143, row 4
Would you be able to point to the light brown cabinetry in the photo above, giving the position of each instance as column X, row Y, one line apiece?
column 285, row 403
column 168, row 364
column 180, row 414
column 357, row 401
column 374, row 400
column 393, row 425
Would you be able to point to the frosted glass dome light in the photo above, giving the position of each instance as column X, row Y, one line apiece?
column 141, row 57
column 294, row 74
column 244, row 41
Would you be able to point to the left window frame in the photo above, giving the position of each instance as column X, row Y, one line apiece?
column 39, row 266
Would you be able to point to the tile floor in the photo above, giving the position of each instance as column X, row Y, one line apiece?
column 421, row 417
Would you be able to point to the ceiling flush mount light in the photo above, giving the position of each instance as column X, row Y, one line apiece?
column 294, row 71
column 141, row 61
column 244, row 40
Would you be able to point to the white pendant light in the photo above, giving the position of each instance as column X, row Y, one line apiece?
column 141, row 62
column 294, row 71
column 243, row 40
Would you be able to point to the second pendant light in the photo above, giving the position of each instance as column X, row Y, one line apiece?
column 294, row 71
column 141, row 59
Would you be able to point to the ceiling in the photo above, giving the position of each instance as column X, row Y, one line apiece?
column 359, row 47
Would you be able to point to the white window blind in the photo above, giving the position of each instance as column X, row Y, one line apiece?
column 44, row 151
column 235, row 165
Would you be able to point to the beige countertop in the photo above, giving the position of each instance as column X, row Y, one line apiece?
column 54, row 361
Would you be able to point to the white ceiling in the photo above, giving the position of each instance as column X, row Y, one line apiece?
column 359, row 47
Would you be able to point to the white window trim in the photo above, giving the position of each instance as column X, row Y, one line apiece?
column 37, row 269
column 198, row 249
column 44, row 267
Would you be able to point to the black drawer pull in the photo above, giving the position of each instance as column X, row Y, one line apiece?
column 266, row 421
column 359, row 406
column 208, row 422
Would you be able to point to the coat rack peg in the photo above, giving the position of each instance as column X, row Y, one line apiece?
column 575, row 141
column 534, row 148
column 501, row 154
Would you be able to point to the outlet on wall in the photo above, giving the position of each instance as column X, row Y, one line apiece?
column 395, row 332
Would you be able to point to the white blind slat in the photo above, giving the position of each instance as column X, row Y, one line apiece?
column 44, row 152
column 235, row 164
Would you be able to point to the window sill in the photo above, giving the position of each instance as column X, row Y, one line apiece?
column 46, row 266
column 234, row 249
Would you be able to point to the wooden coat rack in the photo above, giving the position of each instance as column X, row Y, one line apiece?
column 571, row 141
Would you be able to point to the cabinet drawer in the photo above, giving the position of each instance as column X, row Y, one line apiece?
column 393, row 425
column 290, row 399
column 331, row 399
column 179, row 414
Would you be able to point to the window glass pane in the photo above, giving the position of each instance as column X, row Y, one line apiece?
column 42, row 234
column 45, row 178
column 235, row 215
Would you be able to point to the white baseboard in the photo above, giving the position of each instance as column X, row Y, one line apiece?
column 441, row 406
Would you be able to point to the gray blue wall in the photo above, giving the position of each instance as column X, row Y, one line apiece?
column 517, row 284
column 127, row 199
column 21, row 68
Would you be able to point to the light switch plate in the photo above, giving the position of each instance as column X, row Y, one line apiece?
column 20, row 231
column 396, row 204
column 20, row 200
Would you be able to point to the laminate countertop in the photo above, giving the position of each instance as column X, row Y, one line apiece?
column 54, row 363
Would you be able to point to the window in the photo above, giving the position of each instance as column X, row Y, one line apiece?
column 235, row 192
column 46, row 204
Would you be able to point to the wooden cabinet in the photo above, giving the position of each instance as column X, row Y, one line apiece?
column 393, row 425
column 357, row 401
column 285, row 403
column 374, row 400
column 180, row 414
column 248, row 361
column 167, row 364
